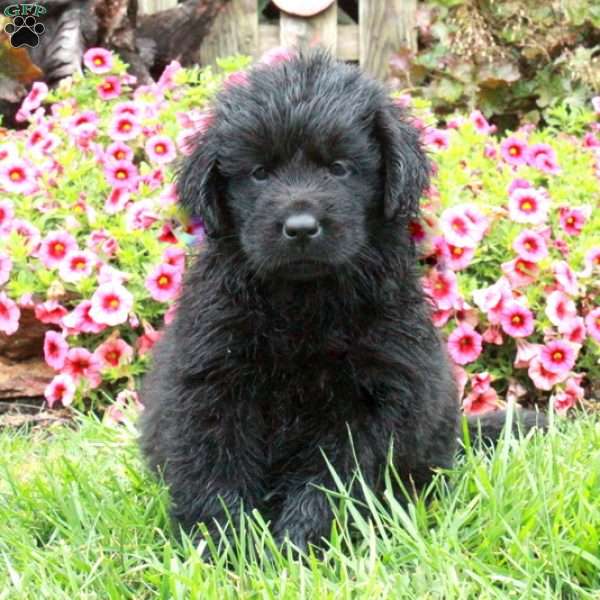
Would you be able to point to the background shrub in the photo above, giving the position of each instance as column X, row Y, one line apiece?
column 91, row 239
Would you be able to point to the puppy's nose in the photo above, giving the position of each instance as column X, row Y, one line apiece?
column 301, row 226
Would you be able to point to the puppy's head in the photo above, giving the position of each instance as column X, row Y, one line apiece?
column 302, row 164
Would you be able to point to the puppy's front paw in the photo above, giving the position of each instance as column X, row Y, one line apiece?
column 305, row 519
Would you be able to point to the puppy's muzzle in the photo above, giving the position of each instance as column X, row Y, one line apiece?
column 301, row 227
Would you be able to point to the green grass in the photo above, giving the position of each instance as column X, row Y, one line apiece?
column 80, row 518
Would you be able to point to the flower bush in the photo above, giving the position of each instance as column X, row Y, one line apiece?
column 510, row 236
column 92, row 242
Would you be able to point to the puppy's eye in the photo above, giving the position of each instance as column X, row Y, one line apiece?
column 260, row 174
column 338, row 169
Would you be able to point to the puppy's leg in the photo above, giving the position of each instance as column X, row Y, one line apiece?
column 305, row 515
column 214, row 466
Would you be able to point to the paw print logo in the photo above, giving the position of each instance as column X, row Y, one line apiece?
column 24, row 31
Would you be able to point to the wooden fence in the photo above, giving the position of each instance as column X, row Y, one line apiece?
column 383, row 27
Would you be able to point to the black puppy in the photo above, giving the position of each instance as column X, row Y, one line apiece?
column 302, row 331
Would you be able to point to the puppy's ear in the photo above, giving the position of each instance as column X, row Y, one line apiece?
column 197, row 187
column 406, row 166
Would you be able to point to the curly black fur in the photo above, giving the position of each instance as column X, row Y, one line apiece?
column 282, row 345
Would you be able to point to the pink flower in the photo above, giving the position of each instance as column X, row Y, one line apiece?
column 277, row 55
column 125, row 401
column 98, row 60
column 60, row 390
column 490, row 151
column 114, row 352
column 560, row 309
column 50, row 312
column 520, row 272
column 543, row 157
column 526, row 352
column 175, row 257
column 461, row 227
column 41, row 140
column 516, row 320
column 591, row 260
column 39, row 91
column 167, row 77
column 117, row 200
column 131, row 108
column 7, row 214
column 5, row 268
column 572, row 220
column 561, row 401
column 590, row 140
column 110, row 88
column 518, row 184
column 170, row 314
column 164, row 282
column 442, row 288
column 55, row 349
column 464, row 344
column 160, row 149
column 437, row 139
column 457, row 258
column 118, row 151
column 9, row 315
column 122, row 174
column 530, row 246
column 569, row 397
column 465, row 312
column 82, row 364
column 77, row 265
column 102, row 243
column 146, row 341
column 124, row 127
column 141, row 214
column 541, row 377
column 565, row 278
column 480, row 122
column 17, row 176
column 55, row 247
column 478, row 403
column 592, row 323
column 596, row 104
column 492, row 299
column 440, row 317
column 493, row 335
column 483, row 397
column 528, row 206
column 514, row 151
column 29, row 232
column 111, row 304
column 79, row 319
column 558, row 356
column 573, row 330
